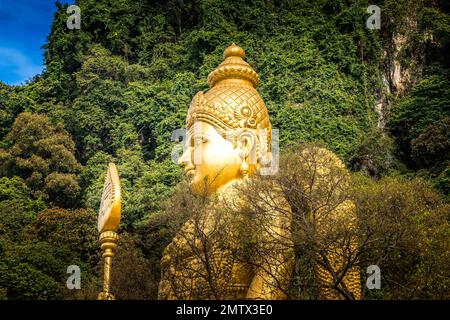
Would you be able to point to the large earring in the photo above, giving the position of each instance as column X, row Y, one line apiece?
column 244, row 168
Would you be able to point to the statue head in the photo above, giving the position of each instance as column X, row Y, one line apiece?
column 228, row 127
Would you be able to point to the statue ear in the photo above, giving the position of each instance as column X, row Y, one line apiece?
column 246, row 143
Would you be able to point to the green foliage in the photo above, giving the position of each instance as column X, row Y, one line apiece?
column 17, row 207
column 43, row 155
column 144, row 186
column 420, row 126
column 428, row 103
column 34, row 266
column 13, row 101
column 134, row 277
column 433, row 144
column 410, row 224
column 372, row 154
column 35, row 269
column 75, row 229
column 437, row 22
column 24, row 281
column 443, row 182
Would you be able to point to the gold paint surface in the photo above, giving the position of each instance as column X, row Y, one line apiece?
column 111, row 201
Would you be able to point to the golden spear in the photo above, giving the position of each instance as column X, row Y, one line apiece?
column 108, row 224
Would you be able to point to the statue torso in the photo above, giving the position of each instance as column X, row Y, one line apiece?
column 213, row 256
column 210, row 258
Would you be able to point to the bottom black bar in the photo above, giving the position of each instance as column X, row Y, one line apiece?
column 222, row 309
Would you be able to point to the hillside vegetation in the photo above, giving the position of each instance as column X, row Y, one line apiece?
column 116, row 89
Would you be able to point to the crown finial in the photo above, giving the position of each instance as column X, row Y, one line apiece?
column 233, row 67
column 234, row 51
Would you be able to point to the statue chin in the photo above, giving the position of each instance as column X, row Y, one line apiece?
column 197, row 184
column 204, row 185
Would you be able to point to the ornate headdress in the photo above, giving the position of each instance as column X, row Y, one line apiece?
column 232, row 102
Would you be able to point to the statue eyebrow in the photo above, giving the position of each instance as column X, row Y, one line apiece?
column 195, row 135
column 192, row 132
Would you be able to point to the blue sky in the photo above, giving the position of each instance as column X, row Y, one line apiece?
column 24, row 25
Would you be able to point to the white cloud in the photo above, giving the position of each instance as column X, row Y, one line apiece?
column 15, row 62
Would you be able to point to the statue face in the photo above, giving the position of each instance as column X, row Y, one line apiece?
column 210, row 161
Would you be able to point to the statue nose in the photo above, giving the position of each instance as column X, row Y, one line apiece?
column 184, row 160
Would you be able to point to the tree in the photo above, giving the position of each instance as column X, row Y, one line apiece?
column 316, row 189
column 408, row 226
column 133, row 277
column 343, row 223
column 18, row 208
column 35, row 269
column 373, row 154
column 432, row 146
column 76, row 229
column 43, row 155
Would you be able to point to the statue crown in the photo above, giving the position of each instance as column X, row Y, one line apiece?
column 233, row 67
column 232, row 101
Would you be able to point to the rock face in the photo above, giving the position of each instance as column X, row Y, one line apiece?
column 403, row 59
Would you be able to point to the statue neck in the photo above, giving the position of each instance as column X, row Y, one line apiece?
column 230, row 187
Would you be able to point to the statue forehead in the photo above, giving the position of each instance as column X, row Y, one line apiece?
column 202, row 127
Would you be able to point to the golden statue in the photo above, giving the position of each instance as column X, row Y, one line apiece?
column 217, row 255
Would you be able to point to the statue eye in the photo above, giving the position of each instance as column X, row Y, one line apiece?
column 199, row 140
